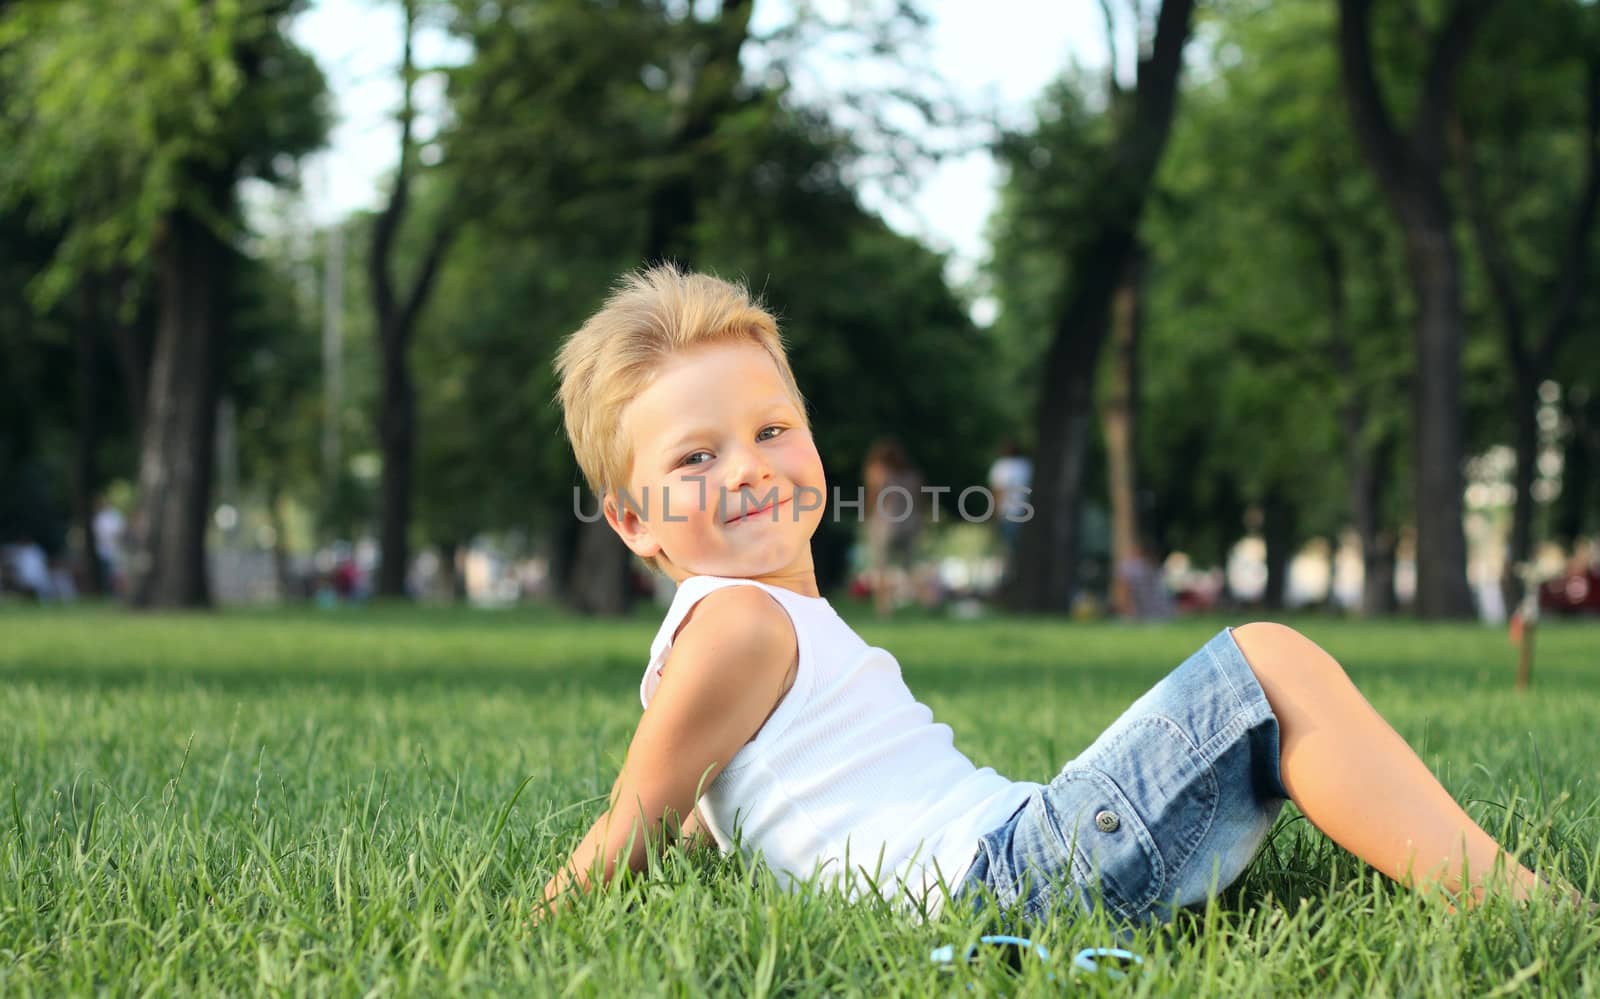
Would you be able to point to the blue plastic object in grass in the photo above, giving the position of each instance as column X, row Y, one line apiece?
column 1112, row 962
column 1012, row 947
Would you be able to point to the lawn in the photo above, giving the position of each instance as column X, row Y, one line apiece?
column 367, row 802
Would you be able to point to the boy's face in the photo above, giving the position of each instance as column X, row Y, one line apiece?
column 726, row 480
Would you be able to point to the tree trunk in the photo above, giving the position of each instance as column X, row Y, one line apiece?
column 86, row 476
column 455, row 578
column 601, row 578
column 1377, row 576
column 1119, row 414
column 133, row 355
column 1278, row 531
column 1369, row 469
column 1442, row 590
column 397, row 436
column 1046, row 564
column 168, row 564
column 282, row 571
column 1366, row 464
column 1409, row 168
column 397, row 316
column 1580, row 458
column 1520, row 545
column 1045, row 578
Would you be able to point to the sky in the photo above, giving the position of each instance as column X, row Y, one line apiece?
column 995, row 56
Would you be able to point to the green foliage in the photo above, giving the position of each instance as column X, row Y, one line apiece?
column 114, row 110
column 1265, row 218
column 561, row 116
column 1261, row 214
column 563, row 132
column 1523, row 135
column 37, row 348
column 275, row 381
column 568, row 119
column 1045, row 205
column 40, row 394
column 854, row 300
column 860, row 307
column 341, row 803
column 492, row 452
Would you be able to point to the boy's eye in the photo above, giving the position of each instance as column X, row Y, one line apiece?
column 761, row 435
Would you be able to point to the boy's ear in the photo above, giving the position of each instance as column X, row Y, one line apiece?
column 624, row 518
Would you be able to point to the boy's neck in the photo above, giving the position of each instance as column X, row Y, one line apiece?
column 802, row 582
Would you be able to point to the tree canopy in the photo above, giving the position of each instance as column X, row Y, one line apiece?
column 1278, row 275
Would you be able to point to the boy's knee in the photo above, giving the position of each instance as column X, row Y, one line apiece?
column 1266, row 635
column 1277, row 652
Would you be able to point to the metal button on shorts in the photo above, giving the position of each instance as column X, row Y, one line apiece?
column 1106, row 821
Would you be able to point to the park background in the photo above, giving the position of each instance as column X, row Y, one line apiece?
column 1266, row 291
column 1326, row 292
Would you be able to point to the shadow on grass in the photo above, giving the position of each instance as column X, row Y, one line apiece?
column 617, row 674
column 605, row 676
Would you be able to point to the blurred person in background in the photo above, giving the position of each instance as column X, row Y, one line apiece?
column 109, row 527
column 1010, row 478
column 1139, row 591
column 893, row 522
column 26, row 568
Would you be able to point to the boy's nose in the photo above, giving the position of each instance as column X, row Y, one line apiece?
column 747, row 467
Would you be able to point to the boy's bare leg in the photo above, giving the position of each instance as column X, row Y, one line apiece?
column 1357, row 780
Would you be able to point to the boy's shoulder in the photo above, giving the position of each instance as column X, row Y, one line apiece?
column 737, row 634
column 742, row 614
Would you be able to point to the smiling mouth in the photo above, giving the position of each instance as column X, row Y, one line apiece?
column 753, row 514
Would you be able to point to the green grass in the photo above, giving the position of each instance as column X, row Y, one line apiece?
column 366, row 802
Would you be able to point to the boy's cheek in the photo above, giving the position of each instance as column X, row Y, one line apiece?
column 691, row 495
column 809, row 501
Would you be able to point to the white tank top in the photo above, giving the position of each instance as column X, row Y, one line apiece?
column 850, row 780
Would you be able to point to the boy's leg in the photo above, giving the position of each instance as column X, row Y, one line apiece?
column 1357, row 780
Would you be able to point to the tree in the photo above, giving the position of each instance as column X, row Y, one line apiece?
column 1121, row 398
column 1121, row 394
column 1532, row 201
column 617, row 108
column 606, row 130
column 1409, row 166
column 1575, row 513
column 491, row 457
column 133, row 125
column 396, row 311
column 106, row 321
column 36, row 385
column 274, row 378
column 854, row 300
column 1093, row 262
column 1292, row 278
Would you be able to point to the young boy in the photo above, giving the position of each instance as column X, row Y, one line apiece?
column 770, row 724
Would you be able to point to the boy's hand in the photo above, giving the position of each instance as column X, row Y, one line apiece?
column 542, row 909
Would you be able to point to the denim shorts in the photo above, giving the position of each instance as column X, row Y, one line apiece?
column 1166, row 807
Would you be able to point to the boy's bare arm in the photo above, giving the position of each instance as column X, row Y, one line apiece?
column 725, row 674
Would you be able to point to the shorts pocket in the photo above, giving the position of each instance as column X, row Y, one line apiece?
column 1106, row 838
column 1156, row 765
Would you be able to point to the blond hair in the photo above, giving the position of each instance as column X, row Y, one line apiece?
column 651, row 316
